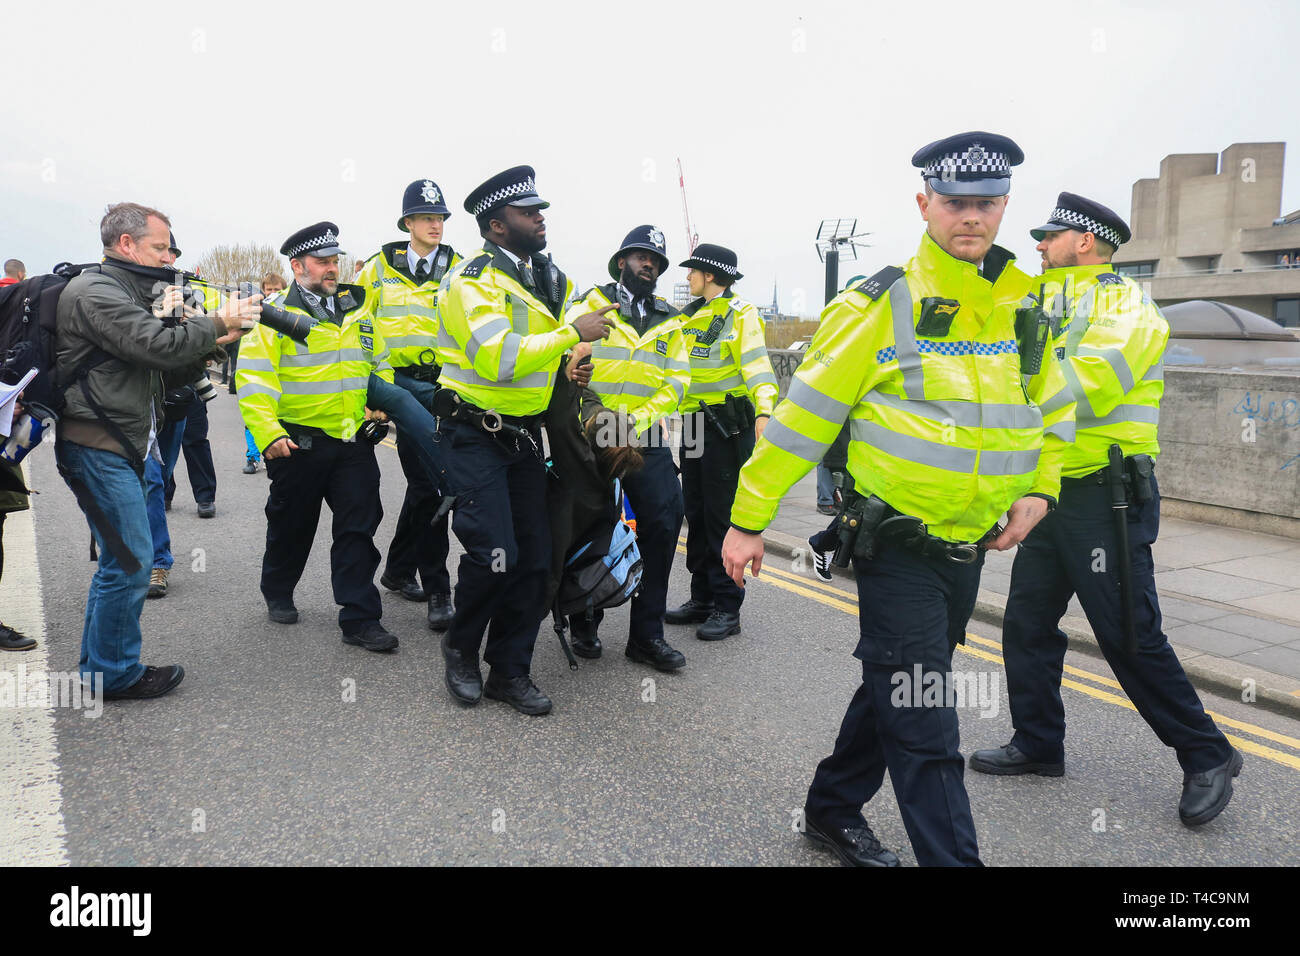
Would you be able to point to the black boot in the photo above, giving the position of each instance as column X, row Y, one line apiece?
column 657, row 653
column 720, row 624
column 692, row 612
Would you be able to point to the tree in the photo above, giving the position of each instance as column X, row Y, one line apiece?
column 230, row 265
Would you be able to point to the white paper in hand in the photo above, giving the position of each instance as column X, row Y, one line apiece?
column 9, row 395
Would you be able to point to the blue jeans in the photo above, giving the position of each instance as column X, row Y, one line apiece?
column 155, row 476
column 825, row 486
column 412, row 417
column 253, row 454
column 110, row 638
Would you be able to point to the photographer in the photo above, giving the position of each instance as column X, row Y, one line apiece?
column 112, row 351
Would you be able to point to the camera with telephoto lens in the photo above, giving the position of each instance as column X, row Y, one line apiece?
column 204, row 388
column 291, row 324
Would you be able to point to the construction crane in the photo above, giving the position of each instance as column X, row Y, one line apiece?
column 692, row 237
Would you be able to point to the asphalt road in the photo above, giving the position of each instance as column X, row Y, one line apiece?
column 260, row 758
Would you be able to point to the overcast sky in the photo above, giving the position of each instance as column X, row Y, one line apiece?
column 246, row 121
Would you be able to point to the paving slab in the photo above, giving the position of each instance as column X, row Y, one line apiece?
column 1213, row 586
column 1258, row 628
column 1283, row 604
column 1279, row 659
column 1212, row 641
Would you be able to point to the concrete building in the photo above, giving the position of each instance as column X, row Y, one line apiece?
column 681, row 295
column 1210, row 227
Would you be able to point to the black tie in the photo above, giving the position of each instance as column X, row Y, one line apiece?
column 526, row 275
column 421, row 270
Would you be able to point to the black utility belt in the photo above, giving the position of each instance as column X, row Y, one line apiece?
column 730, row 417
column 421, row 373
column 308, row 436
column 448, row 404
column 864, row 523
column 1138, row 470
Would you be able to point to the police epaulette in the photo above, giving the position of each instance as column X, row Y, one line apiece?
column 475, row 267
column 1109, row 278
column 582, row 296
column 875, row 286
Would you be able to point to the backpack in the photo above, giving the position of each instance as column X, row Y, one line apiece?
column 28, row 313
column 603, row 571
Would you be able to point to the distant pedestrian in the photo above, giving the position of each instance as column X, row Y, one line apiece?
column 15, row 272
column 13, row 497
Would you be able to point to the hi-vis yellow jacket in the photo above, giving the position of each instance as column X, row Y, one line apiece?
column 405, row 309
column 322, row 383
column 943, row 426
column 643, row 375
column 499, row 344
column 734, row 362
column 1111, row 339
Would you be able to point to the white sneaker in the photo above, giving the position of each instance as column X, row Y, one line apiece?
column 822, row 562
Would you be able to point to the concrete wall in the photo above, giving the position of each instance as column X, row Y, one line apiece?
column 1231, row 438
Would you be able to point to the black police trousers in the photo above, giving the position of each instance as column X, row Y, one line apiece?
column 1072, row 551
column 344, row 475
column 912, row 612
column 501, row 521
column 656, row 498
column 710, row 470
column 418, row 545
column 198, row 457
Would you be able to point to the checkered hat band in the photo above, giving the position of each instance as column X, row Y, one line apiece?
column 505, row 192
column 729, row 270
column 315, row 242
column 960, row 163
column 1078, row 220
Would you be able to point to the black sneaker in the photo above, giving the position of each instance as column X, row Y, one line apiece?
column 207, row 509
column 372, row 637
column 155, row 682
column 14, row 640
column 821, row 561
column 692, row 612
column 854, row 845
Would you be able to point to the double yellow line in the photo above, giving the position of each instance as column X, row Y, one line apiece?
column 991, row 651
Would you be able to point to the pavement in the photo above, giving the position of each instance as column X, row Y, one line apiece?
column 1230, row 599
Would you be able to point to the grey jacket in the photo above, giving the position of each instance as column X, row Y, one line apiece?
column 110, row 308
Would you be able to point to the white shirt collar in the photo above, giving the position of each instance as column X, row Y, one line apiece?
column 412, row 259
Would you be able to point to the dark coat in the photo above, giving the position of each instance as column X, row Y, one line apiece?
column 110, row 309
column 578, row 497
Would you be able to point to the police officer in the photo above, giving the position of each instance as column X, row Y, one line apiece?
column 501, row 335
column 924, row 364
column 642, row 369
column 1111, row 338
column 402, row 279
column 304, row 404
column 730, row 399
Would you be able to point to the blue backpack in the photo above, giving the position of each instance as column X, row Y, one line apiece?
column 604, row 571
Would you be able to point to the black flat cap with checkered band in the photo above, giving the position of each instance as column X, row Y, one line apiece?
column 321, row 239
column 969, row 164
column 1084, row 215
column 516, row 186
column 718, row 260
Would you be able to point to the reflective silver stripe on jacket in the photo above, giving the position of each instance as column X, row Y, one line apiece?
column 964, row 414
column 325, row 388
column 1121, row 414
column 1115, row 359
column 410, row 341
column 467, row 376
column 818, row 403
column 909, row 356
column 309, row 359
column 254, row 388
column 791, row 441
